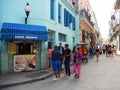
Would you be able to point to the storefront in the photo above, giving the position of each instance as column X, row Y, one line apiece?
column 22, row 47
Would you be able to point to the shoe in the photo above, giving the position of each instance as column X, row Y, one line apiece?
column 78, row 76
column 75, row 75
column 55, row 79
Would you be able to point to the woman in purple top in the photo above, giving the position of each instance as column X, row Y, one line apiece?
column 77, row 63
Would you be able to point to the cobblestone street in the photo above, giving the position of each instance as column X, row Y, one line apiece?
column 102, row 75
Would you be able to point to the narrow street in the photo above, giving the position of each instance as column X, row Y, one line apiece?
column 102, row 75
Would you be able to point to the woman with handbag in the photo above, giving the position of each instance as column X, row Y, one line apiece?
column 77, row 63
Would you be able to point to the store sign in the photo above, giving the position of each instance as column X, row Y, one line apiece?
column 26, row 37
column 24, row 62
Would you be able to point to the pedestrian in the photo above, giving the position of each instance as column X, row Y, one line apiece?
column 103, row 48
column 67, row 55
column 91, row 51
column 77, row 63
column 115, row 50
column 50, row 49
column 61, row 49
column 85, row 52
column 106, row 50
column 56, row 64
column 97, row 52
column 100, row 50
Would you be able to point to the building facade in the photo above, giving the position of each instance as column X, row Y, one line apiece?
column 114, row 26
column 24, row 40
column 87, row 22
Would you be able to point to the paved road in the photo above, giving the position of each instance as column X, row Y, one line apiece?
column 102, row 75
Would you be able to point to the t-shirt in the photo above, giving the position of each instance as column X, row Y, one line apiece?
column 50, row 52
column 55, row 55
column 67, row 52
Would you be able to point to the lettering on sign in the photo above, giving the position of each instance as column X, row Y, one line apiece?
column 26, row 37
column 19, row 36
column 31, row 37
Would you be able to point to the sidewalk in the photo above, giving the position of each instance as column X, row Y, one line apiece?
column 24, row 77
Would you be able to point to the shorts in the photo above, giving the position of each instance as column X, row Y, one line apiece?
column 56, row 65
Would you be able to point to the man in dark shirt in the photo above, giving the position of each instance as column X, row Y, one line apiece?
column 56, row 64
column 67, row 54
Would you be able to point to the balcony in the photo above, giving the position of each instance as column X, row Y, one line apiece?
column 84, row 14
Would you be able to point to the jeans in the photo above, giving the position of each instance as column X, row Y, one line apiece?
column 67, row 67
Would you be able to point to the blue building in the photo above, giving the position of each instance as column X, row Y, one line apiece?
column 24, row 41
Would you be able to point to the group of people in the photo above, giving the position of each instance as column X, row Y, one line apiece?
column 109, row 50
column 60, row 55
column 56, row 57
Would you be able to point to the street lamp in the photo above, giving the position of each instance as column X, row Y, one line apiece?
column 27, row 11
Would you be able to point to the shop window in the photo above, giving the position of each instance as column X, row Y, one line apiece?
column 24, row 48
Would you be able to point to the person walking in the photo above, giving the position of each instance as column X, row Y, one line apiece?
column 61, row 49
column 56, row 64
column 77, row 63
column 85, row 51
column 97, row 52
column 67, row 55
column 50, row 49
column 103, row 48
column 91, row 51
column 106, row 50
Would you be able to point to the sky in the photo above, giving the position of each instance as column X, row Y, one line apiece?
column 103, row 10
